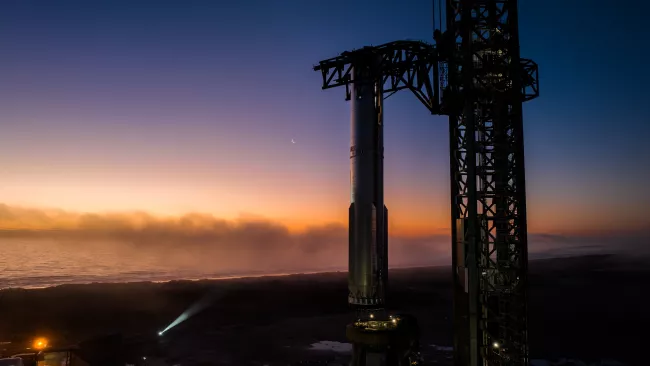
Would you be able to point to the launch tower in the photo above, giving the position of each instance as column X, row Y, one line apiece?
column 484, row 85
column 475, row 75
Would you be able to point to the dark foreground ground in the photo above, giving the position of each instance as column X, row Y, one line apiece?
column 588, row 308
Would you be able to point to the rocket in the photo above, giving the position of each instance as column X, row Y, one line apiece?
column 368, row 216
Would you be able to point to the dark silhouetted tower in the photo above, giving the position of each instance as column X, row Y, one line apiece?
column 475, row 75
column 487, row 82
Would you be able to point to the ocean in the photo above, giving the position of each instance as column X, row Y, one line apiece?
column 27, row 263
column 37, row 263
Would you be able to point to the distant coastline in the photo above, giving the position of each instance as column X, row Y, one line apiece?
column 142, row 278
column 41, row 282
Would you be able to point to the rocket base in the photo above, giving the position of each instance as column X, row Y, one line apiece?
column 390, row 341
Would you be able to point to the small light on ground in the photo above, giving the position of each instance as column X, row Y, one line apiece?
column 40, row 343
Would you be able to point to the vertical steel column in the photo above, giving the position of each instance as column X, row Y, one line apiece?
column 489, row 237
column 367, row 214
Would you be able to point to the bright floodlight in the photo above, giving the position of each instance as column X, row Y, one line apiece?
column 40, row 343
column 208, row 299
column 372, row 316
column 496, row 345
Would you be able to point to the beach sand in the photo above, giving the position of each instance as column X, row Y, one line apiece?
column 589, row 308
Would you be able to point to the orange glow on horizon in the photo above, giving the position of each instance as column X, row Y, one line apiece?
column 297, row 200
column 400, row 222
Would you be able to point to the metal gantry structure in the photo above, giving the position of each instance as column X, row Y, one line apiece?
column 475, row 75
column 403, row 65
column 487, row 83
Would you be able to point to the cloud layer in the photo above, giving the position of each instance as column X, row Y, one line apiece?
column 204, row 240
column 250, row 243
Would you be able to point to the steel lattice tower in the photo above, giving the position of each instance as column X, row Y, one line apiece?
column 473, row 74
column 487, row 82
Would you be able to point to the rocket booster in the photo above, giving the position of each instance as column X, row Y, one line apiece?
column 368, row 239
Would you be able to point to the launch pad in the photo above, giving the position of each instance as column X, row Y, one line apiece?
column 385, row 342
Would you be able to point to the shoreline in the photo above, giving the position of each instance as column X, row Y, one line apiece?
column 281, row 316
column 245, row 276
column 212, row 278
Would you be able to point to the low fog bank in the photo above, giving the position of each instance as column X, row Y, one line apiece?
column 214, row 244
column 206, row 241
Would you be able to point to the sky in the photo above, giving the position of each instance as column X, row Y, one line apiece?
column 173, row 108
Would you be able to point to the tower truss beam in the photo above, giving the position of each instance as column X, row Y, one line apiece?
column 475, row 75
column 403, row 65
column 487, row 83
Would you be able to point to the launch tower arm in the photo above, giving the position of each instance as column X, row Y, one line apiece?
column 411, row 65
column 530, row 82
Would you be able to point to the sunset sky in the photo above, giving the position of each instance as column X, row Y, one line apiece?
column 173, row 107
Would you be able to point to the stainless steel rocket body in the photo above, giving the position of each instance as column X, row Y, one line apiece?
column 368, row 242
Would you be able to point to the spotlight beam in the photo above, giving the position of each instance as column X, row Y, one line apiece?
column 200, row 305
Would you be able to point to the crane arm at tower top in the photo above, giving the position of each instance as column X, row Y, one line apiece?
column 411, row 65
column 416, row 66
